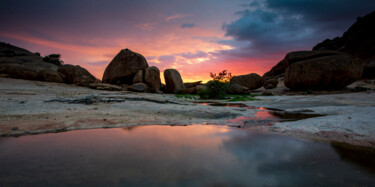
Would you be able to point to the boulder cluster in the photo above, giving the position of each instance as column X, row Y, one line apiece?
column 332, row 64
column 315, row 70
column 127, row 71
column 19, row 63
column 130, row 71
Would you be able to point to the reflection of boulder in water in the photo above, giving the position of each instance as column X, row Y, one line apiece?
column 358, row 155
column 128, row 129
column 295, row 115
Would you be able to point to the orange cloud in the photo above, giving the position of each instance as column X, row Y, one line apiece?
column 182, row 46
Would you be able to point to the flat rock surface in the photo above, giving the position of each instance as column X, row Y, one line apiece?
column 32, row 107
column 348, row 117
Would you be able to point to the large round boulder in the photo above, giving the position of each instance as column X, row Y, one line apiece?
column 191, row 90
column 270, row 83
column 76, row 75
column 138, row 77
column 152, row 78
column 297, row 56
column 173, row 81
column 50, row 76
column 328, row 72
column 40, row 65
column 277, row 71
column 123, row 67
column 17, row 71
column 251, row 81
column 235, row 88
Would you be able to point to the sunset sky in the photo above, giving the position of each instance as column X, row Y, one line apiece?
column 194, row 36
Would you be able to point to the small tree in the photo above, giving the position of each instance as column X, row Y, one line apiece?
column 218, row 87
column 223, row 76
column 53, row 59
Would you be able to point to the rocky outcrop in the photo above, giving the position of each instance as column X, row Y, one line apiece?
column 50, row 76
column 39, row 65
column 277, row 71
column 173, row 81
column 152, row 79
column 191, row 90
column 163, row 87
column 327, row 72
column 25, row 70
column 138, row 87
column 270, row 79
column 17, row 71
column 76, row 75
column 357, row 41
column 123, row 67
column 8, row 50
column 19, row 63
column 298, row 56
column 270, row 83
column 192, row 84
column 235, row 88
column 331, row 44
column 138, row 77
column 251, row 81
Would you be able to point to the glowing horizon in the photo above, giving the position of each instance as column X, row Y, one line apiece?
column 194, row 37
column 99, row 58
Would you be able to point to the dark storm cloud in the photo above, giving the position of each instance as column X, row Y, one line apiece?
column 187, row 25
column 261, row 26
column 277, row 25
column 80, row 20
column 323, row 10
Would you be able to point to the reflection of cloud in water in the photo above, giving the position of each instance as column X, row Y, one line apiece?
column 196, row 155
column 285, row 161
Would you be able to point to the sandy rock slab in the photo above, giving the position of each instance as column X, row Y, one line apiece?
column 32, row 107
column 347, row 117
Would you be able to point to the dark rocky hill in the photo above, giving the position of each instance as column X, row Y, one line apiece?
column 358, row 41
column 19, row 63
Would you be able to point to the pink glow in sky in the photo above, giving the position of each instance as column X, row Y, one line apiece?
column 194, row 37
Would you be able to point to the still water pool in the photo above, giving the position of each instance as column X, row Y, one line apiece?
column 196, row 155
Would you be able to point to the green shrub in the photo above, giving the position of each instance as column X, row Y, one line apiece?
column 203, row 93
column 53, row 59
column 216, row 88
